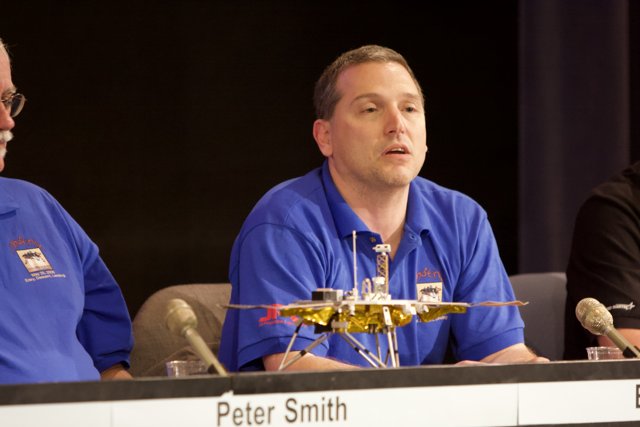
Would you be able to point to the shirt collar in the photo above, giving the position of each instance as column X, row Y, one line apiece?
column 418, row 220
column 346, row 220
column 344, row 217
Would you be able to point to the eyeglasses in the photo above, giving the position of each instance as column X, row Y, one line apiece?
column 14, row 103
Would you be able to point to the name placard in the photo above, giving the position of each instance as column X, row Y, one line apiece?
column 509, row 395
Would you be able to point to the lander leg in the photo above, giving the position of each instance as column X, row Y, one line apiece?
column 298, row 356
column 293, row 338
column 362, row 350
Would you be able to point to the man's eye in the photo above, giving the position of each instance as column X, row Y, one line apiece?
column 370, row 110
column 411, row 109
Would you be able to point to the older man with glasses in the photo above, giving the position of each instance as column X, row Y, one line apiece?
column 62, row 314
column 12, row 103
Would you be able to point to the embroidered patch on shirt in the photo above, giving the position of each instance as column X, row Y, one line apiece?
column 33, row 260
column 431, row 292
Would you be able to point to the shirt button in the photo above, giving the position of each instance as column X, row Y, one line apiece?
column 372, row 239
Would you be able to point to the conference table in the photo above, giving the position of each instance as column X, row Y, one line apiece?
column 555, row 393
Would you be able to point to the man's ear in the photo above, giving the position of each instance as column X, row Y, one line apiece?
column 322, row 135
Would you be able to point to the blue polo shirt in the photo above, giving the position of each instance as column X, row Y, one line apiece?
column 62, row 315
column 299, row 237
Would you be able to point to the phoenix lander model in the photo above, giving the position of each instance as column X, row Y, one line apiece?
column 369, row 310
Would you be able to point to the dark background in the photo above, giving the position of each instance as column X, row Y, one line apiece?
column 158, row 125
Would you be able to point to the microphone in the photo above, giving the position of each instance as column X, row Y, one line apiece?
column 595, row 318
column 181, row 320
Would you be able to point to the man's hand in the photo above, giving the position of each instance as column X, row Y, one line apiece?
column 116, row 372
column 632, row 335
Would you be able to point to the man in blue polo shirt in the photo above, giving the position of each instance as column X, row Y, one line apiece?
column 62, row 315
column 371, row 129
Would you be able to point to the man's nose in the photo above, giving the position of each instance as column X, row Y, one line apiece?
column 395, row 121
column 6, row 121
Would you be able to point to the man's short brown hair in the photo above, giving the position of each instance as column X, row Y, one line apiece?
column 326, row 96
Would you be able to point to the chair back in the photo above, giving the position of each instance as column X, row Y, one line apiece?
column 155, row 344
column 544, row 315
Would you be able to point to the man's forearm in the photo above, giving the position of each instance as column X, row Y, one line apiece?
column 308, row 362
column 518, row 353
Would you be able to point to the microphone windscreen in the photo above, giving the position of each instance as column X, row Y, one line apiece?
column 180, row 316
column 594, row 316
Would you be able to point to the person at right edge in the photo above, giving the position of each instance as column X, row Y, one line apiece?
column 604, row 262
